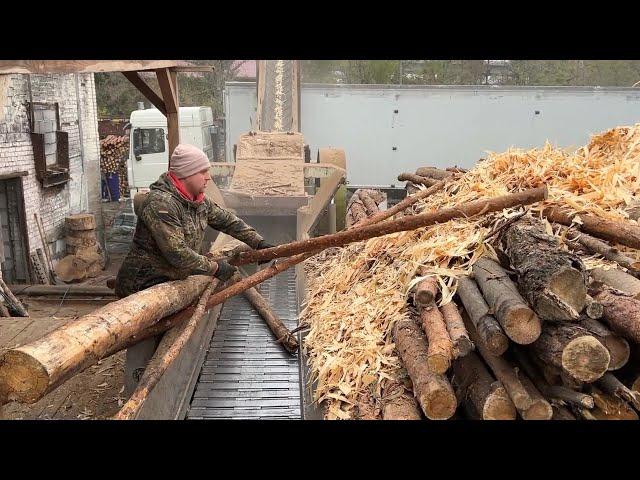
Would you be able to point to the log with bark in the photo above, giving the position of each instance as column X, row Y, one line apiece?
column 433, row 391
column 611, row 385
column 433, row 172
column 487, row 327
column 425, row 292
column 28, row 372
column 417, row 179
column 528, row 401
column 12, row 301
column 574, row 350
column 621, row 312
column 462, row 345
column 440, row 351
column 562, row 413
column 617, row 279
column 277, row 327
column 369, row 202
column 413, row 222
column 168, row 350
column 593, row 309
column 609, row 407
column 551, row 279
column 518, row 321
column 595, row 245
column 488, row 396
column 556, row 392
column 618, row 347
column 624, row 233
column 399, row 404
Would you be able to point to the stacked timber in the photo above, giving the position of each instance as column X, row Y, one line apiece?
column 114, row 150
column 84, row 258
column 362, row 204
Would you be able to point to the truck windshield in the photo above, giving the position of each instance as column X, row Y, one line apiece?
column 148, row 140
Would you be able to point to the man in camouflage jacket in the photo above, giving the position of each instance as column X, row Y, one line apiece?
column 167, row 243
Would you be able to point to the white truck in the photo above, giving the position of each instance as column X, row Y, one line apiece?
column 149, row 152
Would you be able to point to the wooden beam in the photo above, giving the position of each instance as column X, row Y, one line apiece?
column 6, row 176
column 145, row 89
column 193, row 68
column 169, row 88
column 81, row 66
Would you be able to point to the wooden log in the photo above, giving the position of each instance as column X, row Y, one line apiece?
column 609, row 407
column 593, row 309
column 552, row 280
column 611, row 385
column 503, row 371
column 621, row 312
column 168, row 350
column 540, row 409
column 425, row 292
column 488, row 396
column 403, row 205
column 68, row 290
column 12, row 300
column 462, row 345
column 81, row 221
column 398, row 404
column 417, row 179
column 487, row 327
column 433, row 392
column 617, row 279
column 440, row 350
column 618, row 347
column 28, row 372
column 469, row 209
column 562, row 413
column 79, row 235
column 595, row 245
column 369, row 203
column 277, row 327
column 82, row 241
column 433, row 172
column 355, row 213
column 573, row 349
column 518, row 321
column 620, row 232
column 550, row 391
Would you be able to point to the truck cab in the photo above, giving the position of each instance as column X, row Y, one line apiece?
column 149, row 152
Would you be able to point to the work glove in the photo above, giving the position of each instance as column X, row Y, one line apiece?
column 225, row 271
column 261, row 246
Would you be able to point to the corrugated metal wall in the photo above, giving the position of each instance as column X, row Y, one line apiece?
column 389, row 129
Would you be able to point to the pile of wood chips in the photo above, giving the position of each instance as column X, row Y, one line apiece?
column 358, row 293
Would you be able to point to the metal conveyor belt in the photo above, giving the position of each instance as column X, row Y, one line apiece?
column 246, row 375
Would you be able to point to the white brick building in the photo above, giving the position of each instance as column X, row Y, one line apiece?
column 45, row 104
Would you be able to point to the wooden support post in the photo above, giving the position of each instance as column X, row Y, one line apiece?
column 169, row 88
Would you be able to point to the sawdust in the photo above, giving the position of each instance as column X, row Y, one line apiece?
column 358, row 294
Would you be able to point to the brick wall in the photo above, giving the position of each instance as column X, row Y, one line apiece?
column 75, row 95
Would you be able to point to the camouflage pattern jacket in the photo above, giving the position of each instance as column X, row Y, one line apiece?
column 167, row 242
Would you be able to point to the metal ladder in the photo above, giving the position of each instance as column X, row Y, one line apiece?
column 246, row 375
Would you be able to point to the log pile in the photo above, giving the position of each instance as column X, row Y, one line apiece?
column 84, row 257
column 549, row 296
column 114, row 151
column 363, row 203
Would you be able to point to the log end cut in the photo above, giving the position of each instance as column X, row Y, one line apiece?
column 22, row 378
column 585, row 358
column 439, row 404
column 565, row 297
column 522, row 325
column 499, row 406
column 439, row 363
column 619, row 351
column 540, row 409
